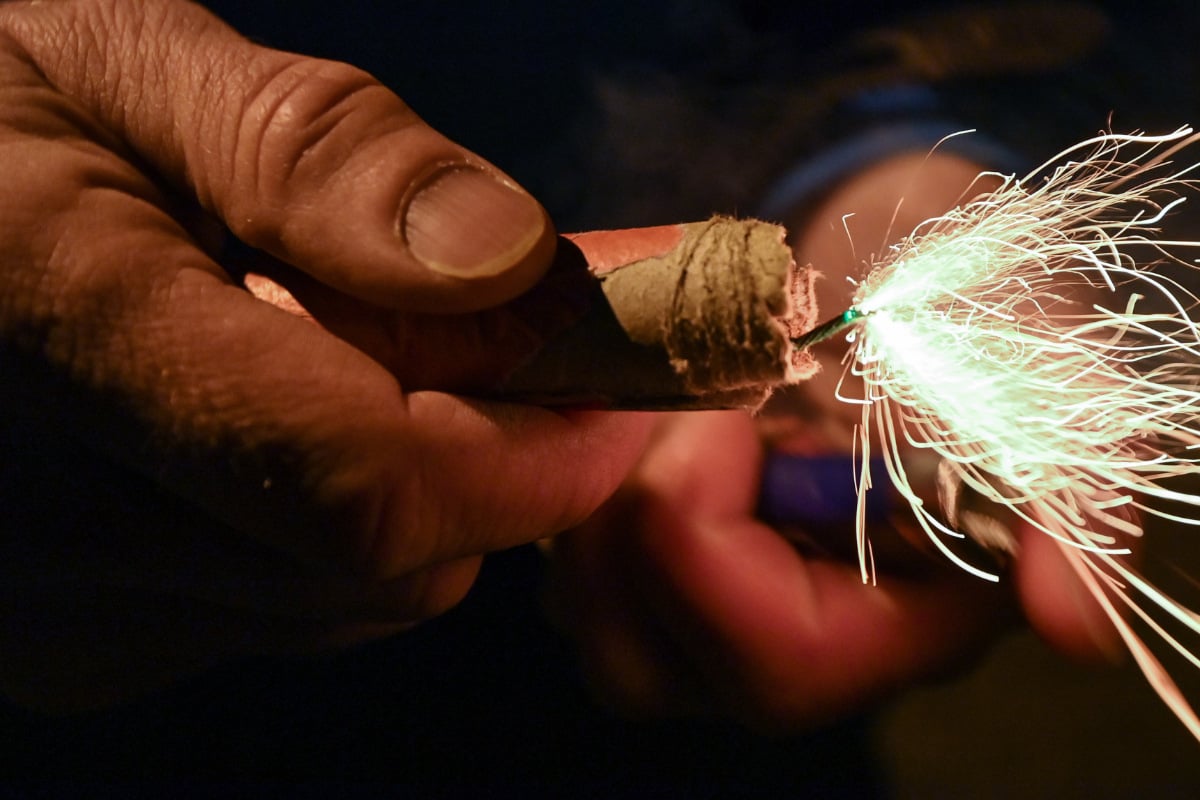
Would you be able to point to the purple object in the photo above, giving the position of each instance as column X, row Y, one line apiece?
column 820, row 491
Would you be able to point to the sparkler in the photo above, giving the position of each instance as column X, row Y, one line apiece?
column 1033, row 339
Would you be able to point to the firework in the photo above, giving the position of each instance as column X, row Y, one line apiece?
column 1036, row 341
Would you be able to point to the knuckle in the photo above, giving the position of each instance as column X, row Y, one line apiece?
column 381, row 525
column 379, row 549
column 301, row 121
column 84, row 44
column 42, row 284
column 339, row 509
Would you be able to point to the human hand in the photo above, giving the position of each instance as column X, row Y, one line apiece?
column 682, row 599
column 192, row 474
column 856, row 220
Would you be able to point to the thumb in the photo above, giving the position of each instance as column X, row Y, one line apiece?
column 312, row 161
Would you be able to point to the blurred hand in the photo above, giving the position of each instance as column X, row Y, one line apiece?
column 861, row 218
column 681, row 600
column 190, row 473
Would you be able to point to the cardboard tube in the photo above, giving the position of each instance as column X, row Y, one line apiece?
column 689, row 316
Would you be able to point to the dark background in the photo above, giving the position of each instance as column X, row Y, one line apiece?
column 619, row 113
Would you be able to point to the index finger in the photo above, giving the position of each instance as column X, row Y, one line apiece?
column 121, row 331
column 785, row 637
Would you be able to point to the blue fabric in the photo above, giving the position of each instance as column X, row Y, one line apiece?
column 821, row 172
column 819, row 491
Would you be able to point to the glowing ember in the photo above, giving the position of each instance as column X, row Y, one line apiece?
column 1031, row 339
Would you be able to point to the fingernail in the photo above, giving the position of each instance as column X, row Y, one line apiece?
column 465, row 222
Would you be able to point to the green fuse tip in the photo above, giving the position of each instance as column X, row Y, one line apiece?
column 828, row 328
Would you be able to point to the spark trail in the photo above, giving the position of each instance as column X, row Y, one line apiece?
column 1035, row 339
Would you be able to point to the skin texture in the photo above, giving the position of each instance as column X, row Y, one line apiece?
column 204, row 476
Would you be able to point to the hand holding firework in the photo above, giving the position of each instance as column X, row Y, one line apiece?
column 191, row 475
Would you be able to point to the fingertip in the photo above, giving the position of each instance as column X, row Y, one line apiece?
column 467, row 222
column 707, row 463
column 1057, row 603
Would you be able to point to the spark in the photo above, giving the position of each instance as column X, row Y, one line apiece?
column 1035, row 340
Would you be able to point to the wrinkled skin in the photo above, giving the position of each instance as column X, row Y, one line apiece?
column 193, row 474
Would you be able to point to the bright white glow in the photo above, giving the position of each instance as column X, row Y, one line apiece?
column 1033, row 339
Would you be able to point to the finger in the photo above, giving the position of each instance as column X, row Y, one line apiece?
column 1057, row 604
column 632, row 662
column 100, row 524
column 309, row 160
column 312, row 447
column 128, row 337
column 786, row 641
column 450, row 352
column 781, row 638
